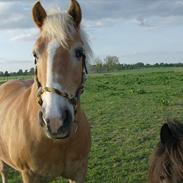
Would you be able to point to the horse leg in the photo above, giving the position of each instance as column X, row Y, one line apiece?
column 81, row 174
column 30, row 177
column 78, row 179
column 3, row 171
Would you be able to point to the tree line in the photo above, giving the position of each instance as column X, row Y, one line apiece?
column 108, row 64
column 112, row 63
column 20, row 72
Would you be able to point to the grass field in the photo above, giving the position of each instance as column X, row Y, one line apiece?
column 126, row 111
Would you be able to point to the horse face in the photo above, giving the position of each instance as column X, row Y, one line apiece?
column 59, row 52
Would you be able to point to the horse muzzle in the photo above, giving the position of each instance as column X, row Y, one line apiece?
column 57, row 128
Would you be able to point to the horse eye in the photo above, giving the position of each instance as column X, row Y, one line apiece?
column 35, row 54
column 79, row 53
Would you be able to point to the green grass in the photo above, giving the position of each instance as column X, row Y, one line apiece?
column 126, row 111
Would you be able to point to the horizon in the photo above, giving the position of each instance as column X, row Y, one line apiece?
column 145, row 65
column 133, row 30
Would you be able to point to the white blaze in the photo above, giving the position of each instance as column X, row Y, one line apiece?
column 53, row 103
column 52, row 48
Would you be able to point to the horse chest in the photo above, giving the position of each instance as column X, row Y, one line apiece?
column 54, row 161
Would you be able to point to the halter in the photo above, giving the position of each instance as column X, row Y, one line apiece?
column 71, row 98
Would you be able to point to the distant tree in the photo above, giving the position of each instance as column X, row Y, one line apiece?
column 25, row 72
column 1, row 73
column 98, row 64
column 139, row 64
column 31, row 71
column 6, row 73
column 112, row 63
column 156, row 65
column 112, row 60
column 13, row 73
column 20, row 72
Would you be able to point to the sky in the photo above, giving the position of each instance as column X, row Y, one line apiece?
column 146, row 31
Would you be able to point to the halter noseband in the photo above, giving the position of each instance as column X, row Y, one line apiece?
column 71, row 98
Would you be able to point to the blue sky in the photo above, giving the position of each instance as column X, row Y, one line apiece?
column 134, row 30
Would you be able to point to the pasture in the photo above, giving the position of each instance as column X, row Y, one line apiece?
column 126, row 110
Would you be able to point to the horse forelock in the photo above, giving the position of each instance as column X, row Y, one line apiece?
column 61, row 27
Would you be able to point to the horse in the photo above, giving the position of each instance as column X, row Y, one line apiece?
column 44, row 132
column 166, row 165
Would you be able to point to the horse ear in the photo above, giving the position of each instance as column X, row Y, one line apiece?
column 165, row 134
column 38, row 14
column 75, row 12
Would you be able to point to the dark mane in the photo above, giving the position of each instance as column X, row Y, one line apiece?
column 167, row 160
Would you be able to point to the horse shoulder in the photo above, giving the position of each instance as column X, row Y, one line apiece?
column 84, row 134
column 12, row 95
column 12, row 87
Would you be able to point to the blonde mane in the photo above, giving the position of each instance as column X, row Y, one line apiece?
column 60, row 26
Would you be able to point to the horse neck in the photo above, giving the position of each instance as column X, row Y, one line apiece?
column 33, row 98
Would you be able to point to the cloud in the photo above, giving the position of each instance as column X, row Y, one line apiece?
column 142, row 22
column 145, row 13
column 12, row 1
column 100, row 23
column 15, row 14
column 25, row 35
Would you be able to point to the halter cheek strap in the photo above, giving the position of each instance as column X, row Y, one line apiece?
column 72, row 99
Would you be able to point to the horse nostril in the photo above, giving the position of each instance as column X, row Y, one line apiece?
column 67, row 117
